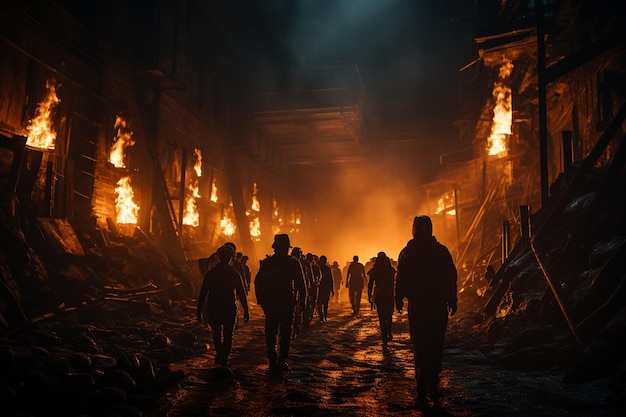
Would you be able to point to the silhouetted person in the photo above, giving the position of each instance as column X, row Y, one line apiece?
column 278, row 285
column 337, row 279
column 381, row 291
column 325, row 288
column 247, row 277
column 221, row 288
column 427, row 278
column 299, row 308
column 312, row 288
column 355, row 281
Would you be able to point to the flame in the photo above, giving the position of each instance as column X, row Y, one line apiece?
column 255, row 228
column 255, row 222
column 256, row 206
column 227, row 226
column 125, row 208
column 191, row 216
column 214, row 192
column 123, row 139
column 445, row 204
column 40, row 132
column 502, row 111
column 198, row 165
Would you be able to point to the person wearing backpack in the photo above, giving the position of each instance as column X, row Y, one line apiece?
column 279, row 286
column 221, row 288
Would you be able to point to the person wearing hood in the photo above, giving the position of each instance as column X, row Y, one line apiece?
column 427, row 279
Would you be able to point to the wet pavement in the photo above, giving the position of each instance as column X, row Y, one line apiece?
column 338, row 368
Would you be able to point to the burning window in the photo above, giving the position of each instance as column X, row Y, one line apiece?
column 253, row 214
column 227, row 225
column 40, row 132
column 191, row 217
column 126, row 210
column 502, row 111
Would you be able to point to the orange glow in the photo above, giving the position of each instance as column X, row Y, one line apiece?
column 123, row 139
column 502, row 111
column 40, row 132
column 214, row 192
column 198, row 165
column 125, row 208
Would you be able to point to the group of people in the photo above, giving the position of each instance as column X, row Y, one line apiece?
column 291, row 288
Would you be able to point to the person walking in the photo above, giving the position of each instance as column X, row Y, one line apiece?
column 337, row 280
column 325, row 288
column 221, row 288
column 427, row 278
column 279, row 285
column 355, row 281
column 380, row 293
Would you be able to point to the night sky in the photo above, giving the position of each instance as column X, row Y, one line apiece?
column 408, row 51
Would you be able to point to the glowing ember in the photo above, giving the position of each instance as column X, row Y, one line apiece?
column 125, row 208
column 40, row 133
column 214, row 192
column 502, row 112
column 198, row 165
column 123, row 139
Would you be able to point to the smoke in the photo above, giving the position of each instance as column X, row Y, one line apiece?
column 361, row 211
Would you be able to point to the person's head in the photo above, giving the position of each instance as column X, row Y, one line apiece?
column 422, row 227
column 335, row 263
column 382, row 260
column 296, row 252
column 224, row 254
column 231, row 246
column 323, row 259
column 244, row 259
column 355, row 258
column 281, row 243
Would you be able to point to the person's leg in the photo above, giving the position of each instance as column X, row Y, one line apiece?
column 286, row 321
column 229, row 328
column 271, row 332
column 216, row 330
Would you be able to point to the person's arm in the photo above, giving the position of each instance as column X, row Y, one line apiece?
column 204, row 291
column 241, row 295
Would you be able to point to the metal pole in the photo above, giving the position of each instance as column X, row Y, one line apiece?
column 541, row 87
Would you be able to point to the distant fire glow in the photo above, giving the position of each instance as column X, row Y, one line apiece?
column 123, row 139
column 198, row 165
column 227, row 225
column 126, row 210
column 253, row 214
column 502, row 112
column 214, row 192
column 277, row 221
column 191, row 216
column 40, row 132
